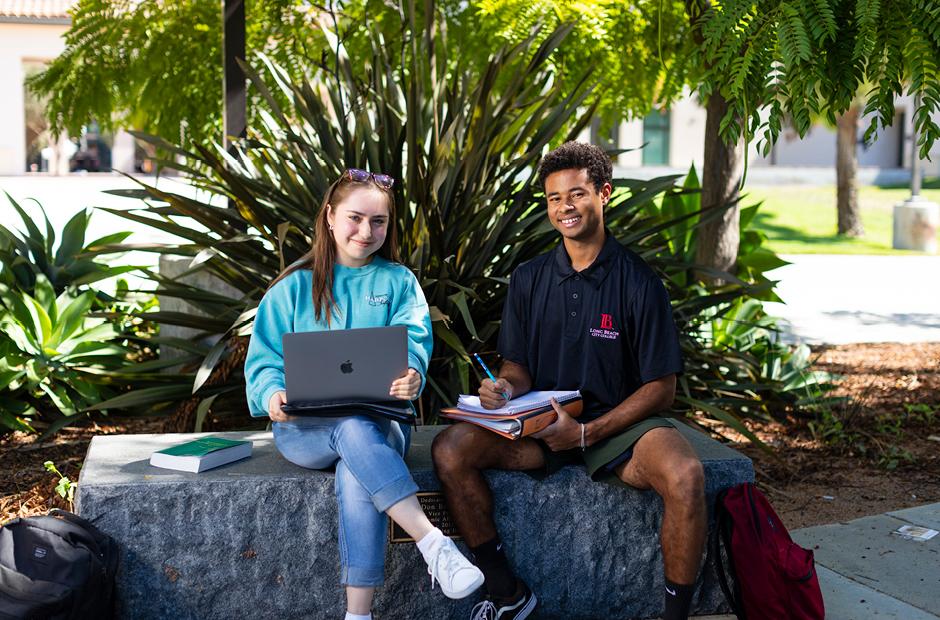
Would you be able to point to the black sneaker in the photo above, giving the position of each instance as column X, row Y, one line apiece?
column 515, row 608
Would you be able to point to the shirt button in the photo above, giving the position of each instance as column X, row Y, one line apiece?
column 577, row 277
column 574, row 313
column 574, row 296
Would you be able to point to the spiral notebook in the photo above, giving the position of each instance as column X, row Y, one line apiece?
column 526, row 402
column 522, row 417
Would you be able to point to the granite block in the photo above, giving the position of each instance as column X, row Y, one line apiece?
column 257, row 538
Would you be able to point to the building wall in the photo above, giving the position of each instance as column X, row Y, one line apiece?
column 631, row 137
column 890, row 151
column 818, row 147
column 687, row 134
column 20, row 42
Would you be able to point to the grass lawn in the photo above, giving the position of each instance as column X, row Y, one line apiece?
column 802, row 219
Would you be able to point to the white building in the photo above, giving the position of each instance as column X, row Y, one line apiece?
column 32, row 34
column 675, row 140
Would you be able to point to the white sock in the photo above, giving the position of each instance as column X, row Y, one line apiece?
column 352, row 616
column 430, row 542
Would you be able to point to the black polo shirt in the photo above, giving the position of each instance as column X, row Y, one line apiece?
column 605, row 330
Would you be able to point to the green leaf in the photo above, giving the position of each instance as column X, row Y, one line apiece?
column 72, row 317
column 144, row 397
column 460, row 300
column 202, row 411
column 73, row 238
column 450, row 338
column 728, row 418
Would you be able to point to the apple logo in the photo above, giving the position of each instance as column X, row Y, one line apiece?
column 346, row 367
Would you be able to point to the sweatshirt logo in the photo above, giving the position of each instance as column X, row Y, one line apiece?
column 378, row 300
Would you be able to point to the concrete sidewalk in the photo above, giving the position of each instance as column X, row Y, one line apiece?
column 840, row 299
column 867, row 570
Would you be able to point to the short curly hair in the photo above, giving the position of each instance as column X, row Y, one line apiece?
column 579, row 156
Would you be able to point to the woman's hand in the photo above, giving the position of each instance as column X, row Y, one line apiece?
column 406, row 386
column 274, row 407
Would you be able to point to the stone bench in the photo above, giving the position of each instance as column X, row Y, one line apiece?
column 257, row 538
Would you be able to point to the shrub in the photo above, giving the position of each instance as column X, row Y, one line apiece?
column 65, row 347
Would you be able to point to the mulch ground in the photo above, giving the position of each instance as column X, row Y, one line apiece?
column 885, row 457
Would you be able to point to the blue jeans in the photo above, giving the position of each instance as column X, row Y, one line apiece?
column 371, row 476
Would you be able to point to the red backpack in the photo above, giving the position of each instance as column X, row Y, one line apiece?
column 773, row 577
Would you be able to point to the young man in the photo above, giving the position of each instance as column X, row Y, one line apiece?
column 589, row 315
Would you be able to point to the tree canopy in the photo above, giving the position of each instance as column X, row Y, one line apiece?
column 800, row 58
column 156, row 65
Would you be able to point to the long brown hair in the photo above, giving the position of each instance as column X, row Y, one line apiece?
column 321, row 257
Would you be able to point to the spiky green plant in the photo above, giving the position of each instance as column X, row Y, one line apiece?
column 26, row 255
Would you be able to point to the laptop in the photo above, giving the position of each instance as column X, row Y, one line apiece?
column 347, row 367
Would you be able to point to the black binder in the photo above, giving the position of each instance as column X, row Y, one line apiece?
column 398, row 410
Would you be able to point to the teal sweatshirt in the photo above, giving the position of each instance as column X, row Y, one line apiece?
column 381, row 293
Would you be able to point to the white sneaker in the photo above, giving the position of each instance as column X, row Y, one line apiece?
column 454, row 572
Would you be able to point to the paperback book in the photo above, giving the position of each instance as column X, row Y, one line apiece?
column 201, row 454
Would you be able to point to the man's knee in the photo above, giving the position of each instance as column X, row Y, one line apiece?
column 685, row 483
column 449, row 449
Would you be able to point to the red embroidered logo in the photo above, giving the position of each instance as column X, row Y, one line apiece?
column 606, row 330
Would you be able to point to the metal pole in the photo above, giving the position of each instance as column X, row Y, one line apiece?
column 915, row 155
column 233, row 47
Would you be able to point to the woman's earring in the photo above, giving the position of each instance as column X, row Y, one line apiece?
column 331, row 226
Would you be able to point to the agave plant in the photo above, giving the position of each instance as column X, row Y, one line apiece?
column 53, row 351
column 26, row 256
column 59, row 359
column 465, row 147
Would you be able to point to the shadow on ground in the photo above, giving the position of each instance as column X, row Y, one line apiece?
column 930, row 321
column 779, row 232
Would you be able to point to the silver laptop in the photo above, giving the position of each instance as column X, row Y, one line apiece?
column 346, row 365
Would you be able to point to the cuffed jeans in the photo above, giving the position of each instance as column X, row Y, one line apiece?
column 371, row 476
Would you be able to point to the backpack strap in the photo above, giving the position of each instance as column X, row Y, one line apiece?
column 722, row 537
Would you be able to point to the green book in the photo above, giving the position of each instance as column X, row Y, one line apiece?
column 201, row 454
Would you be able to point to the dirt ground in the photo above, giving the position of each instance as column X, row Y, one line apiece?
column 884, row 456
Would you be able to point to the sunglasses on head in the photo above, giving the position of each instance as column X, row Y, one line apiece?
column 361, row 176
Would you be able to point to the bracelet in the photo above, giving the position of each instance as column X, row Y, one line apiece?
column 583, row 445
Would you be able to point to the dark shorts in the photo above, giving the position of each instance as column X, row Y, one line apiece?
column 604, row 456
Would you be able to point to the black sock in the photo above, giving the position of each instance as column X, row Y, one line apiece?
column 500, row 581
column 678, row 600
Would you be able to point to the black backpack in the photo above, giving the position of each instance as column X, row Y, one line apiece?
column 56, row 567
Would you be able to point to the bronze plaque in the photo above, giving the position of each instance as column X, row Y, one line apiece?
column 432, row 502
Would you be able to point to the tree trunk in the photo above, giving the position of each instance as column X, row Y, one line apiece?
column 850, row 218
column 719, row 237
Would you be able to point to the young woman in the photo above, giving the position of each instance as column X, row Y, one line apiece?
column 351, row 278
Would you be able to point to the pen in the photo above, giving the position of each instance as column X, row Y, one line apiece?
column 489, row 374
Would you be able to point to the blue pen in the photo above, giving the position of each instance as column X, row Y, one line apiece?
column 490, row 374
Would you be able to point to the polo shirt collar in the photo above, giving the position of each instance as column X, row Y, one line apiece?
column 596, row 271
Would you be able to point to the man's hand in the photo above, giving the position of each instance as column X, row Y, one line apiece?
column 493, row 395
column 563, row 434
column 406, row 386
column 274, row 407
